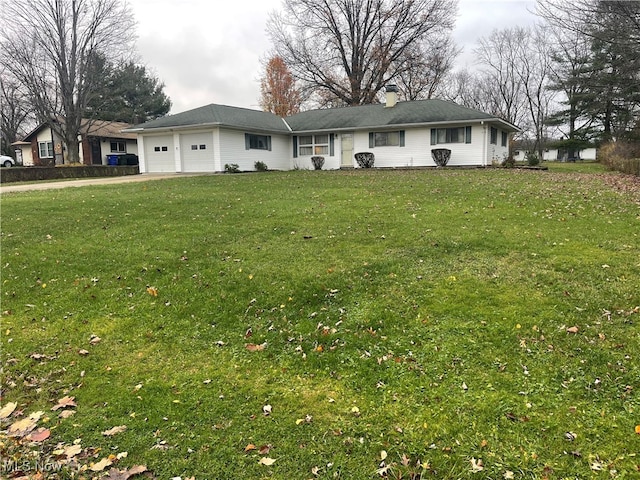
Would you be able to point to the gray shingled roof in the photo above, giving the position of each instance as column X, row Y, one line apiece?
column 219, row 115
column 419, row 112
column 403, row 113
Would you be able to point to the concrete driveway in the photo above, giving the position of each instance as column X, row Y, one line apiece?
column 143, row 177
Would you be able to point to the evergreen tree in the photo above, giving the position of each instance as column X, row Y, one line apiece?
column 128, row 94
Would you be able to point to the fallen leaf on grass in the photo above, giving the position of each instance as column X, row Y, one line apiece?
column 83, row 352
column 250, row 447
column 267, row 461
column 71, row 451
column 476, row 465
column 252, row 347
column 114, row 431
column 95, row 340
column 266, row 410
column 573, row 329
column 265, row 449
column 153, row 291
column 115, row 474
column 508, row 475
column 39, row 435
column 64, row 402
column 101, row 465
column 66, row 413
column 7, row 410
column 638, row 429
column 25, row 426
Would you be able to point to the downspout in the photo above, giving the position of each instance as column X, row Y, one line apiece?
column 484, row 144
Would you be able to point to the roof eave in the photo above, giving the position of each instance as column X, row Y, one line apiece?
column 201, row 126
column 409, row 125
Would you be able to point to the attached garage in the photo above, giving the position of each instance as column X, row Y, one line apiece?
column 197, row 152
column 159, row 154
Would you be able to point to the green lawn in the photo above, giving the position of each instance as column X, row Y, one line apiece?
column 449, row 324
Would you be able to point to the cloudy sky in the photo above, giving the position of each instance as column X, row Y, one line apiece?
column 209, row 51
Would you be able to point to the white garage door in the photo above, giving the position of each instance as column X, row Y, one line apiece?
column 158, row 154
column 197, row 152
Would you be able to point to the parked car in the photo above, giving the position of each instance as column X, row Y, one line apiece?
column 7, row 161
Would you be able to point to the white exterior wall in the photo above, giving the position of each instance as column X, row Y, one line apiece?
column 232, row 150
column 331, row 162
column 550, row 154
column 229, row 147
column 417, row 149
column 589, row 154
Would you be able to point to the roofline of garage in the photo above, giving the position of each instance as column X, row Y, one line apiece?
column 203, row 126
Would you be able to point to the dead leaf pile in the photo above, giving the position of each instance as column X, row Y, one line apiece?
column 23, row 438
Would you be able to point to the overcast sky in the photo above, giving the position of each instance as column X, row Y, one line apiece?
column 209, row 51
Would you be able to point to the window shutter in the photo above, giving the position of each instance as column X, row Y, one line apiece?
column 402, row 138
column 332, row 144
column 467, row 134
column 434, row 136
column 295, row 146
column 370, row 139
column 269, row 142
column 247, row 141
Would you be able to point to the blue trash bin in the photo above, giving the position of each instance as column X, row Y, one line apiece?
column 112, row 160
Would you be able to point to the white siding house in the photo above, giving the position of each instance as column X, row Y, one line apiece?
column 399, row 134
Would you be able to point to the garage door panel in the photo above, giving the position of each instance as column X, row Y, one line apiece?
column 158, row 154
column 197, row 152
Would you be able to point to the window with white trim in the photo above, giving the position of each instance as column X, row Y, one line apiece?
column 505, row 139
column 386, row 139
column 450, row 135
column 494, row 136
column 313, row 145
column 45, row 149
column 257, row 142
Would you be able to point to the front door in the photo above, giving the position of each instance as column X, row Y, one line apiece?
column 96, row 152
column 346, row 141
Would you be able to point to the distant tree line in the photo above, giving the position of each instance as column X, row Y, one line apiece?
column 574, row 75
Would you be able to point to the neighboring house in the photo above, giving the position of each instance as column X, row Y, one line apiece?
column 97, row 139
column 558, row 154
column 400, row 134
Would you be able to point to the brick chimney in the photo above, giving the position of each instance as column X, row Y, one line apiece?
column 392, row 95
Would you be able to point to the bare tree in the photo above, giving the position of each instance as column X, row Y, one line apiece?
column 498, row 58
column 533, row 68
column 347, row 50
column 279, row 93
column 424, row 67
column 51, row 46
column 14, row 111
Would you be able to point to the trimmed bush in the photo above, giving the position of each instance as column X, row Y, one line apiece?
column 260, row 166
column 509, row 162
column 532, row 159
column 441, row 156
column 231, row 168
column 365, row 159
column 317, row 162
